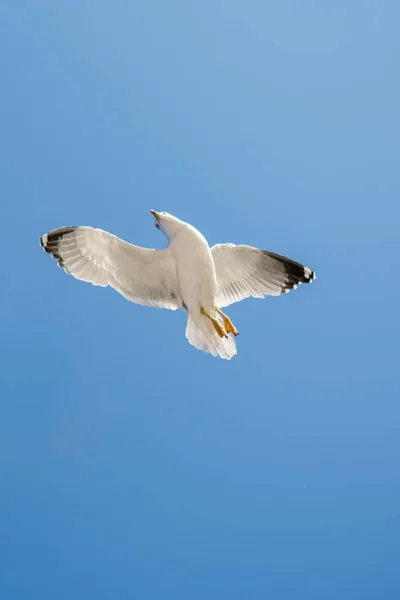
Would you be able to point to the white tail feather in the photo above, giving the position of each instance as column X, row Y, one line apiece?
column 201, row 333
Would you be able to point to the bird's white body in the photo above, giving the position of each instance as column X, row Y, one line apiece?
column 193, row 256
column 198, row 287
column 187, row 275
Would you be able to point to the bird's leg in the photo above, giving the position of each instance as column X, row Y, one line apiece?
column 214, row 321
column 229, row 326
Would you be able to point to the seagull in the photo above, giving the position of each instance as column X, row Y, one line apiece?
column 187, row 275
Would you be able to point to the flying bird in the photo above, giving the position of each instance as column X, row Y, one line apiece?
column 188, row 274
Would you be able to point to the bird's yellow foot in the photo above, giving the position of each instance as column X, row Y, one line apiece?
column 229, row 326
column 214, row 321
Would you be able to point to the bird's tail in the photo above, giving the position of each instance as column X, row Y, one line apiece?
column 201, row 333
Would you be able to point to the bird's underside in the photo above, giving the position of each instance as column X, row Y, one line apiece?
column 149, row 277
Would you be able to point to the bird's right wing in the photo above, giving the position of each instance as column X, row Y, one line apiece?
column 142, row 275
column 243, row 271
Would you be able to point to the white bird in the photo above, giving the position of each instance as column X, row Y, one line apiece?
column 188, row 274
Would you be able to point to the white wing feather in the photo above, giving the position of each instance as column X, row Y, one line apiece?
column 144, row 276
column 244, row 271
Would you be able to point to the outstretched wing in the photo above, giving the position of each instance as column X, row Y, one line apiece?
column 243, row 271
column 141, row 275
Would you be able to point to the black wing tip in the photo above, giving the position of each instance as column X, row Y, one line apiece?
column 55, row 235
column 50, row 243
column 296, row 278
column 308, row 276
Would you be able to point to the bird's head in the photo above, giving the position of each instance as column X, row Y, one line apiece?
column 167, row 223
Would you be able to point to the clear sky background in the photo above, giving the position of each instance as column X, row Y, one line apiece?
column 132, row 465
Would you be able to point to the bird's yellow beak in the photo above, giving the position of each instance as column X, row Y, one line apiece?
column 157, row 216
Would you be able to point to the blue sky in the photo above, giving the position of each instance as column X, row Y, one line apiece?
column 132, row 465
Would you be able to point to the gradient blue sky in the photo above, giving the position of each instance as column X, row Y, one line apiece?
column 132, row 465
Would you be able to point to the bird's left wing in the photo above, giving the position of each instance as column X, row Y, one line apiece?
column 243, row 271
column 141, row 275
